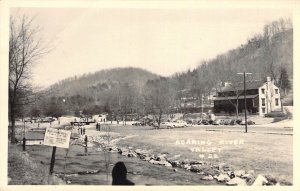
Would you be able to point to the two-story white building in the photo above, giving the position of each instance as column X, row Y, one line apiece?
column 262, row 97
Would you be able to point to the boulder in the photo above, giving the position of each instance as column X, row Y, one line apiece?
column 247, row 176
column 175, row 163
column 260, row 181
column 196, row 162
column 237, row 182
column 239, row 173
column 223, row 178
column 167, row 164
column 209, row 177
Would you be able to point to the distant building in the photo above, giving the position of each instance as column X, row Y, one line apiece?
column 262, row 97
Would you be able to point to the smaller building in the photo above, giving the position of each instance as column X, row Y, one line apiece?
column 262, row 97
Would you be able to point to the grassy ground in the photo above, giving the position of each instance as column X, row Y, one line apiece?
column 24, row 170
column 267, row 154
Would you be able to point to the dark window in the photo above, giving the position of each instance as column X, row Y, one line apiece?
column 263, row 101
column 276, row 102
column 263, row 91
column 263, row 110
column 276, row 91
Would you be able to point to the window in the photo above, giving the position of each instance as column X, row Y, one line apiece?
column 276, row 102
column 276, row 91
column 263, row 91
column 263, row 110
column 263, row 101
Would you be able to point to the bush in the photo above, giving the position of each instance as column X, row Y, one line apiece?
column 275, row 114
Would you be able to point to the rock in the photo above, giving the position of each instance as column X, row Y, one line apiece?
column 196, row 168
column 186, row 166
column 138, row 151
column 131, row 154
column 247, row 176
column 224, row 166
column 175, row 163
column 125, row 153
column 260, row 181
column 223, row 178
column 161, row 157
column 271, row 180
column 196, row 162
column 237, row 182
column 167, row 164
column 209, row 177
column 175, row 170
column 186, row 161
column 147, row 158
column 69, row 182
column 239, row 173
column 277, row 184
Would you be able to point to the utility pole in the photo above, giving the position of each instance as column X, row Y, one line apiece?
column 245, row 100
column 202, row 106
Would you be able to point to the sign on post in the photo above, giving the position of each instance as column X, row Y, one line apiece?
column 57, row 138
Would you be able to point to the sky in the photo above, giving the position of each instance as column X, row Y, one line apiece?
column 163, row 41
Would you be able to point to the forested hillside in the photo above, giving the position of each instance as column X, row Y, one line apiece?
column 266, row 54
column 103, row 80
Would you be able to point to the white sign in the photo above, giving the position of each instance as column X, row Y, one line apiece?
column 56, row 137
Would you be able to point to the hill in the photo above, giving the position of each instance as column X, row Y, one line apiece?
column 101, row 81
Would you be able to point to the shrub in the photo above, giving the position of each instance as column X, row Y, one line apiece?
column 275, row 114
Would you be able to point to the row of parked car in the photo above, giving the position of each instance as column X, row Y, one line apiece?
column 189, row 122
column 40, row 120
column 221, row 122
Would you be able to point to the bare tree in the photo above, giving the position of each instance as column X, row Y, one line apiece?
column 25, row 49
column 159, row 97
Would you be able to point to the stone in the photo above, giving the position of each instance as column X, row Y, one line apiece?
column 237, row 182
column 223, row 178
column 196, row 162
column 208, row 177
column 175, row 170
column 247, row 176
column 196, row 168
column 239, row 173
column 147, row 158
column 131, row 154
column 260, row 181
column 69, row 182
column 186, row 166
column 175, row 163
column 167, row 164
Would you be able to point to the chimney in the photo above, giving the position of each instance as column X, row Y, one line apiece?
column 268, row 79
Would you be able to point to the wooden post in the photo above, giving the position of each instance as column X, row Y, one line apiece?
column 52, row 160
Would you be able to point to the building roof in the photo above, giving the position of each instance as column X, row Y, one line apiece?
column 234, row 97
column 240, row 86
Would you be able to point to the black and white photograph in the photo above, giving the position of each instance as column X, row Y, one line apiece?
column 152, row 93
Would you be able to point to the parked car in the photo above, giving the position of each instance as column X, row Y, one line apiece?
column 180, row 123
column 205, row 122
column 249, row 122
column 227, row 121
column 168, row 125
column 233, row 122
column 218, row 122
